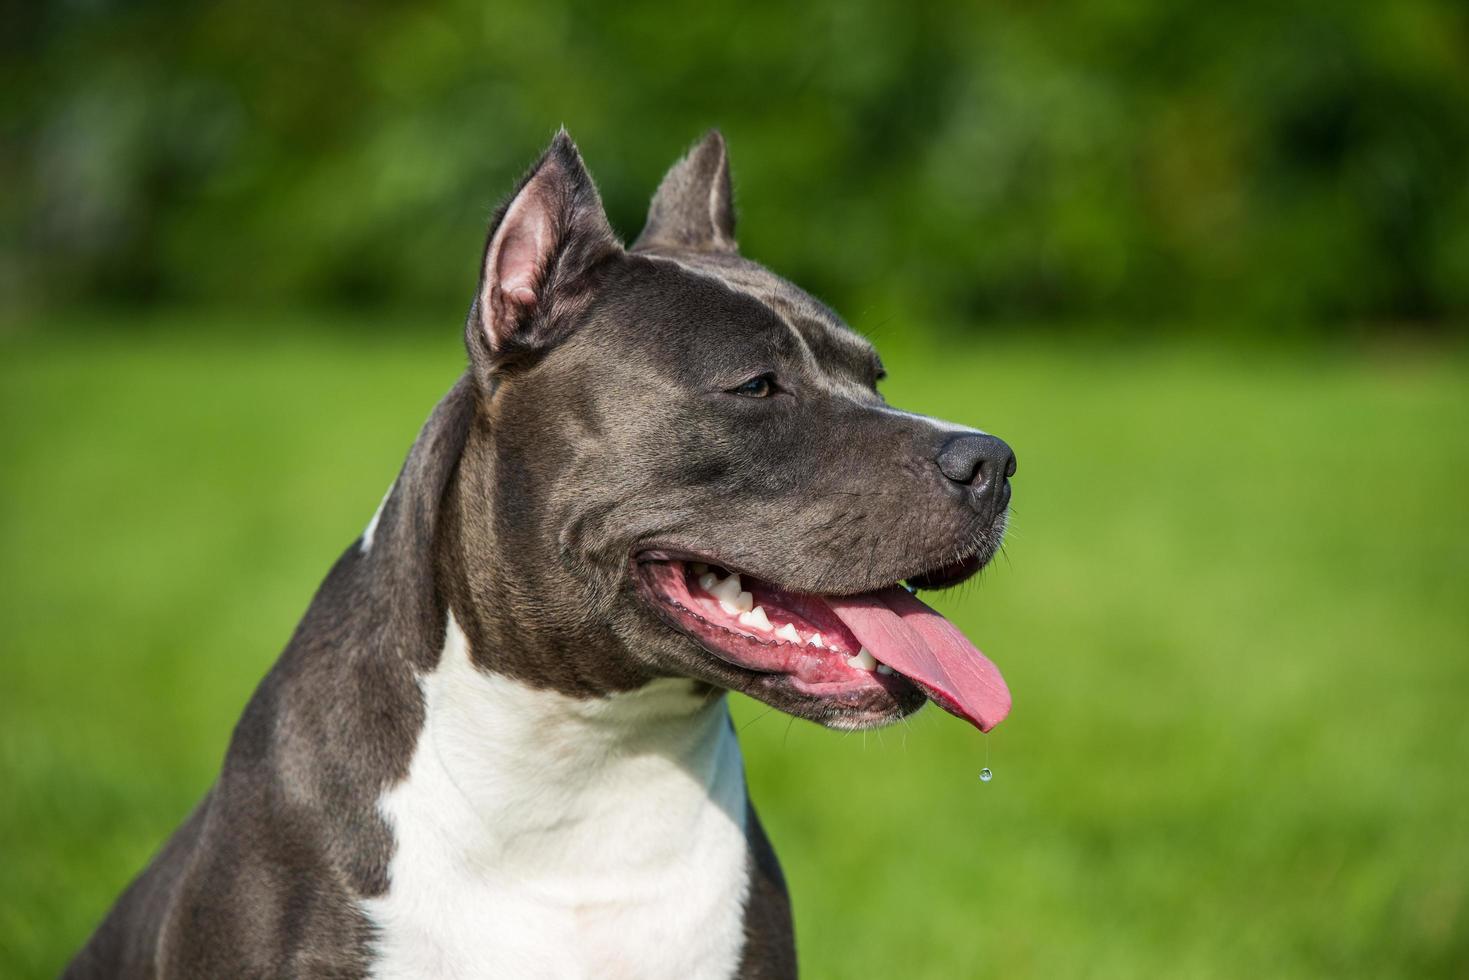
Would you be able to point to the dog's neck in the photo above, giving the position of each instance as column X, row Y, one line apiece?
column 505, row 577
column 531, row 782
column 433, row 546
column 520, row 757
column 535, row 819
column 537, row 833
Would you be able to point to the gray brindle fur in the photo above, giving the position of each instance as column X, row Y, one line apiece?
column 596, row 420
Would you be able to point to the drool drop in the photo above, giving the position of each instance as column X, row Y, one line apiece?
column 985, row 775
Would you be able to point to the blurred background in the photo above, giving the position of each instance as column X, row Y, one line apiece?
column 1205, row 266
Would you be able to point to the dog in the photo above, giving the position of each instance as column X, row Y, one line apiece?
column 498, row 743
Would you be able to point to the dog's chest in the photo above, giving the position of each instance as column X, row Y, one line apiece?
column 539, row 836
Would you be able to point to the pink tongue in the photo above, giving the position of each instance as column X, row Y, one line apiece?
column 925, row 647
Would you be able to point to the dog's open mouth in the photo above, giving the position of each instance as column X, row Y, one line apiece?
column 828, row 645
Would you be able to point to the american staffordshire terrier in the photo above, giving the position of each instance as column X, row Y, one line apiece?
column 498, row 743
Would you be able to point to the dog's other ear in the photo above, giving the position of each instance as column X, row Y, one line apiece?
column 694, row 208
column 544, row 244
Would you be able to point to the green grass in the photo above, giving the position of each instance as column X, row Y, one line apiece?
column 1232, row 613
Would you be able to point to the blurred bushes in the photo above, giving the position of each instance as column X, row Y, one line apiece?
column 1134, row 162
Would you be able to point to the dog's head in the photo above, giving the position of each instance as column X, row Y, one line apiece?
column 681, row 465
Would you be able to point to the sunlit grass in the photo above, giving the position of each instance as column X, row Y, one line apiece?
column 1231, row 612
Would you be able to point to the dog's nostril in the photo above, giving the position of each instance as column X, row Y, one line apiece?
column 975, row 459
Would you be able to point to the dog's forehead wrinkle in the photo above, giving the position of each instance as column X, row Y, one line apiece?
column 662, row 317
column 846, row 360
column 834, row 357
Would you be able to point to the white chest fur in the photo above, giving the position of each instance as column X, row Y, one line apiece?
column 542, row 836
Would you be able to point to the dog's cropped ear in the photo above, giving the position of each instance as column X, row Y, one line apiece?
column 694, row 208
column 543, row 248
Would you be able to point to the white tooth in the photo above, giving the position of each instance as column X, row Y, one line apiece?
column 863, row 660
column 788, row 633
column 885, row 670
column 743, row 602
column 700, row 568
column 707, row 581
column 728, row 590
column 756, row 619
column 815, row 641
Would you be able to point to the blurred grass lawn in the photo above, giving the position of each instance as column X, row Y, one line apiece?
column 1232, row 614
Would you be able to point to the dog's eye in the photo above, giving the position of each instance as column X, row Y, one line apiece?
column 761, row 387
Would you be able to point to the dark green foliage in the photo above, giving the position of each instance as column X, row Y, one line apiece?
column 1139, row 162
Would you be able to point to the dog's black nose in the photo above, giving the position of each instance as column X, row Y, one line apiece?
column 983, row 464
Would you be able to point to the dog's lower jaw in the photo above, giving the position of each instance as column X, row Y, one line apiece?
column 538, row 834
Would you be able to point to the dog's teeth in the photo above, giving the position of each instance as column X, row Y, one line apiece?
column 862, row 660
column 756, row 619
column 814, row 640
column 885, row 670
column 743, row 602
column 788, row 633
column 700, row 568
column 728, row 590
column 707, row 581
